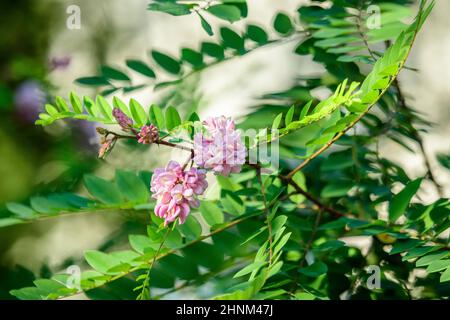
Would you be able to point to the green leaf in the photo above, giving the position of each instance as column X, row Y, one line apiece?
column 29, row 293
column 305, row 110
column 213, row 50
column 330, row 245
column 231, row 39
column 51, row 110
column 257, row 34
column 48, row 286
column 283, row 24
column 166, row 62
column 289, row 116
column 332, row 32
column 277, row 121
column 75, row 101
column 138, row 113
column 193, row 57
column 104, row 107
column 280, row 245
column 93, row 81
column 172, row 8
column 278, row 223
column 418, row 252
column 42, row 205
column 400, row 201
column 429, row 258
column 20, row 210
column 91, row 106
column 61, row 104
column 403, row 246
column 304, row 296
column 314, row 270
column 113, row 73
column 140, row 67
column 211, row 213
column 157, row 117
column 333, row 42
column 140, row 243
column 336, row 189
column 445, row 276
column 250, row 268
column 337, row 161
column 232, row 204
column 300, row 179
column 105, row 191
column 131, row 186
column 174, row 240
column 225, row 12
column 444, row 160
column 101, row 261
column 438, row 265
column 191, row 228
column 4, row 222
column 205, row 25
column 173, row 119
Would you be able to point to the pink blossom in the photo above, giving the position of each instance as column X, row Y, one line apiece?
column 176, row 191
column 221, row 148
column 148, row 134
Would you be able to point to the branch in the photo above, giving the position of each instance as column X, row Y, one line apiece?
column 361, row 32
column 314, row 200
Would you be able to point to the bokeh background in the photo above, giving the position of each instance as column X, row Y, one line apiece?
column 40, row 57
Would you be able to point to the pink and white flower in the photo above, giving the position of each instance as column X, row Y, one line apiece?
column 221, row 148
column 176, row 191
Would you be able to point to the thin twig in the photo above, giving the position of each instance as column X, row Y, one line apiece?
column 147, row 278
column 361, row 31
column 310, row 197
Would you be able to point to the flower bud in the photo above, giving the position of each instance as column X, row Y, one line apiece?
column 101, row 130
column 124, row 121
column 106, row 147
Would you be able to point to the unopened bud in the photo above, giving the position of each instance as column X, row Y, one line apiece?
column 122, row 119
column 106, row 147
column 101, row 130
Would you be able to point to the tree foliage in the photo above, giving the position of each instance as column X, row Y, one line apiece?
column 282, row 235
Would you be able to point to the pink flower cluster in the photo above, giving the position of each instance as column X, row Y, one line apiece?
column 176, row 191
column 148, row 134
column 221, row 148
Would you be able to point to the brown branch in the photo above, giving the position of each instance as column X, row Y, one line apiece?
column 310, row 197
